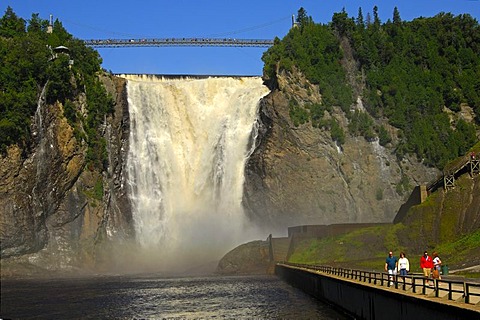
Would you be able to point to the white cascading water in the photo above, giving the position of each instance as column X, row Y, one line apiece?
column 189, row 141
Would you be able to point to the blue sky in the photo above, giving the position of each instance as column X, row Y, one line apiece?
column 259, row 19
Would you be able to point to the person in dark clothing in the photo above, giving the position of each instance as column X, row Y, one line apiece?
column 391, row 264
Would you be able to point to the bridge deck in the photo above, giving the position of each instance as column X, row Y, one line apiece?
column 178, row 42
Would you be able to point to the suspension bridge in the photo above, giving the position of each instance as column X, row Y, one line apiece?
column 178, row 42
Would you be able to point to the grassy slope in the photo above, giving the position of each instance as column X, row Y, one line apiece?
column 367, row 249
column 435, row 224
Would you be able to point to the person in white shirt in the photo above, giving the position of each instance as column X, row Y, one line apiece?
column 403, row 264
column 437, row 264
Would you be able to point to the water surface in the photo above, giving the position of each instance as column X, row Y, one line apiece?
column 151, row 297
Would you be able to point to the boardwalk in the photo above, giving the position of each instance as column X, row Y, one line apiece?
column 460, row 293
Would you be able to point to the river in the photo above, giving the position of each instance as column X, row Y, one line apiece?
column 154, row 297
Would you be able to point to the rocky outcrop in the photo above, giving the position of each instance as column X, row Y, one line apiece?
column 34, row 186
column 248, row 258
column 299, row 175
column 57, row 214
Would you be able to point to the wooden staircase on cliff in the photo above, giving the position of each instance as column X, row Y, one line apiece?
column 451, row 171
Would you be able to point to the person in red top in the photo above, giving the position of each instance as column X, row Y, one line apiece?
column 426, row 263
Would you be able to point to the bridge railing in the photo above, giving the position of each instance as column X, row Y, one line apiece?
column 183, row 42
column 467, row 291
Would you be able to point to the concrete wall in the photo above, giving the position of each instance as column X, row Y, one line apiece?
column 368, row 302
column 418, row 195
column 323, row 231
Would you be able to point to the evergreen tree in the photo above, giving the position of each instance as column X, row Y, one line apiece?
column 302, row 17
column 11, row 25
column 396, row 16
column 360, row 21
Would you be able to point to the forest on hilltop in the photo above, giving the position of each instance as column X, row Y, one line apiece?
column 29, row 64
column 414, row 75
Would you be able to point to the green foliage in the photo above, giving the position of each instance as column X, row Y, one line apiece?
column 22, row 71
column 383, row 136
column 59, row 87
column 297, row 113
column 392, row 241
column 403, row 186
column 429, row 68
column 438, row 224
column 336, row 132
column 362, row 124
column 70, row 112
column 98, row 190
column 459, row 249
column 367, row 247
column 370, row 243
column 413, row 70
column 342, row 24
column 11, row 25
column 314, row 49
column 302, row 18
column 29, row 63
column 319, row 251
column 317, row 112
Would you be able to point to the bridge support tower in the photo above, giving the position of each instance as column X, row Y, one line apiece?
column 448, row 181
column 474, row 166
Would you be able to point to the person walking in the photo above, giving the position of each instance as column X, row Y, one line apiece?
column 403, row 264
column 437, row 264
column 391, row 264
column 426, row 264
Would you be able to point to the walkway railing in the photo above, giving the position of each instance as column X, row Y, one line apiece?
column 462, row 291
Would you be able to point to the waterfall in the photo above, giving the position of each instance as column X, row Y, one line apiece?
column 189, row 141
column 39, row 133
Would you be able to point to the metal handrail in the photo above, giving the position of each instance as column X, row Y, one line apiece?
column 171, row 42
column 468, row 292
column 405, row 283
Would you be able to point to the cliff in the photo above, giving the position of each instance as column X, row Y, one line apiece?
column 56, row 211
column 60, row 214
column 299, row 175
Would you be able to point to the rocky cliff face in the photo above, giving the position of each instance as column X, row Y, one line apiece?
column 55, row 211
column 59, row 214
column 298, row 175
